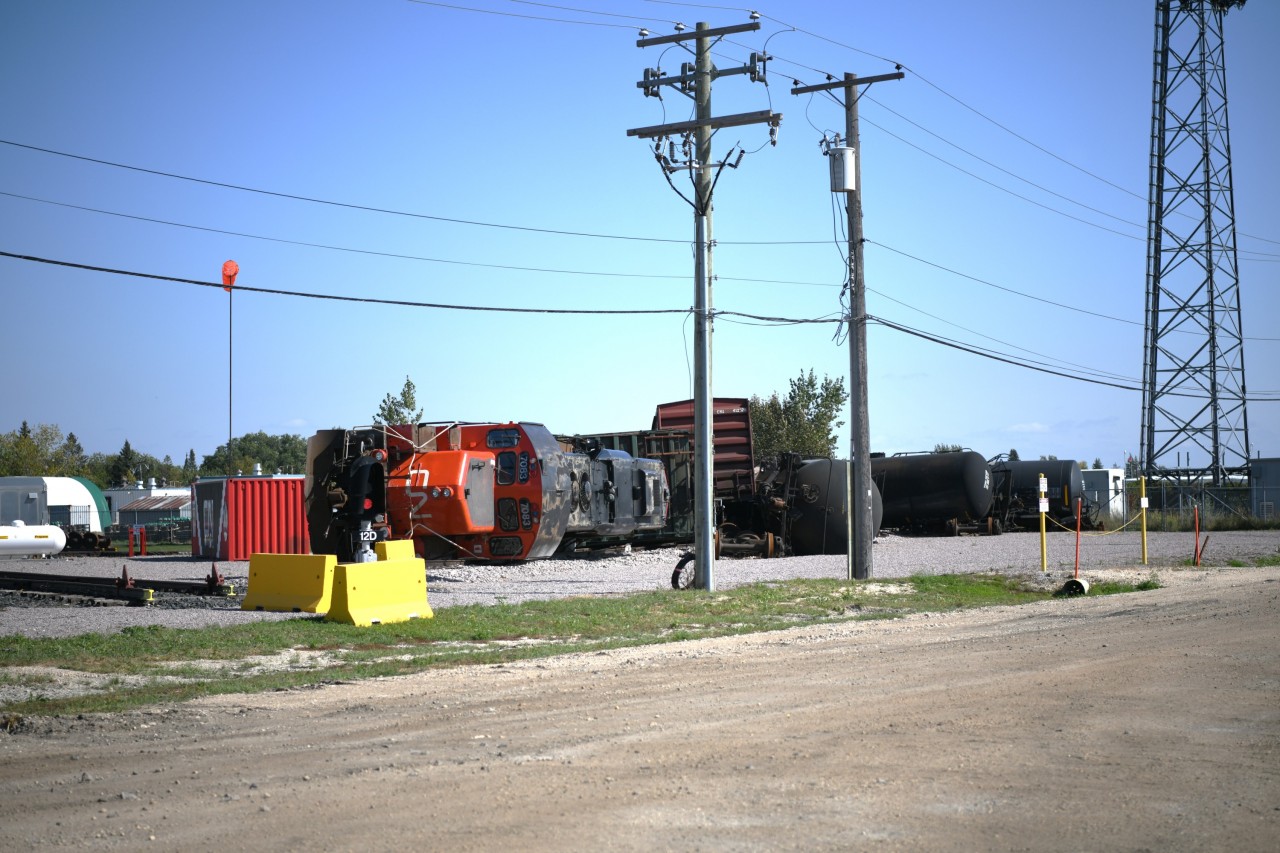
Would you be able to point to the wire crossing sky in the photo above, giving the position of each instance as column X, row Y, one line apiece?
column 377, row 157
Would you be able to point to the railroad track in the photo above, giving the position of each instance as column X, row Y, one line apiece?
column 124, row 587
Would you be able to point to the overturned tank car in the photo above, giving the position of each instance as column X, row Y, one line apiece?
column 948, row 493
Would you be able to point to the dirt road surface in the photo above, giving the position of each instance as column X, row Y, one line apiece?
column 1146, row 721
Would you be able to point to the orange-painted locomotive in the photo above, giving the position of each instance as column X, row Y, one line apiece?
column 505, row 491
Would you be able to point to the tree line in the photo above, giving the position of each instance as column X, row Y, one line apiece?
column 804, row 420
column 43, row 451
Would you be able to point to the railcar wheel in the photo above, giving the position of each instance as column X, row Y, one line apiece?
column 684, row 574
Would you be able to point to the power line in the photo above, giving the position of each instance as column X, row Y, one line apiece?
column 329, row 247
column 770, row 320
column 557, row 271
column 1021, row 293
column 962, row 103
column 592, row 12
column 526, row 17
column 993, row 356
column 1063, row 361
column 388, row 211
column 363, row 299
column 1005, row 189
column 1010, row 361
column 402, row 302
column 395, row 255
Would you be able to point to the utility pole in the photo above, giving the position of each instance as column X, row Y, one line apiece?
column 859, row 501
column 695, row 156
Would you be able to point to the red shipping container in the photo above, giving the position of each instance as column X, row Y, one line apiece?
column 233, row 518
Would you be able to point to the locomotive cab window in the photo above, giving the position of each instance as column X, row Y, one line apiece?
column 499, row 438
column 506, row 471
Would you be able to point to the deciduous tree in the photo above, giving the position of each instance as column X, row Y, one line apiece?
column 402, row 409
column 803, row 422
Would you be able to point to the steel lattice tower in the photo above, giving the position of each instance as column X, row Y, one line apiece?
column 1194, row 424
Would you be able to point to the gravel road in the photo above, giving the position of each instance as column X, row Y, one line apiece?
column 1136, row 722
column 611, row 573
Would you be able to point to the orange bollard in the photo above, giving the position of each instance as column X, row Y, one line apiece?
column 1197, row 515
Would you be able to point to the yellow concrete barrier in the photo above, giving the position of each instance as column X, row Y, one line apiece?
column 290, row 583
column 396, row 549
column 394, row 589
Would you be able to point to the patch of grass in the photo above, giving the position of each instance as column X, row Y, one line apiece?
column 1115, row 587
column 26, row 679
column 1272, row 560
column 1173, row 521
column 478, row 635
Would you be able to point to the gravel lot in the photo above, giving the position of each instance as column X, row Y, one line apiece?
column 611, row 573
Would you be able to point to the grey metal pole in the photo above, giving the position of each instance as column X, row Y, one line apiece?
column 703, row 486
column 229, row 375
column 859, row 423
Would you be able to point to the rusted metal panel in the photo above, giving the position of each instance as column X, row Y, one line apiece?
column 236, row 517
column 733, row 460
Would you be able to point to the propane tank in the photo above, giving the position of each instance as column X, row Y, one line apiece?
column 37, row 540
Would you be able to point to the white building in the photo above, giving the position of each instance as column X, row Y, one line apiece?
column 1105, row 487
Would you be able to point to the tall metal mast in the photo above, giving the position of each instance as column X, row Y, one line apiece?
column 1194, row 423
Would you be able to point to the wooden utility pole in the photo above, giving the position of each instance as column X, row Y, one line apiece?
column 859, row 500
column 701, row 166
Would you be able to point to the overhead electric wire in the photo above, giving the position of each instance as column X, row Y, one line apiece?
column 771, row 320
column 994, row 357
column 397, row 256
column 592, row 12
column 516, row 15
column 1015, row 363
column 914, row 73
column 983, row 160
column 389, row 211
column 1063, row 361
column 1024, row 294
column 1004, row 189
column 363, row 299
column 337, row 248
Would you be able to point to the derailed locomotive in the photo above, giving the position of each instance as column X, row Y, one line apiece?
column 497, row 491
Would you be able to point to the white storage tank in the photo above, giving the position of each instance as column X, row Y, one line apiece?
column 37, row 540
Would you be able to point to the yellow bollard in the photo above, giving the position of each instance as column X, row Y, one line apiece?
column 1143, row 483
column 1044, row 507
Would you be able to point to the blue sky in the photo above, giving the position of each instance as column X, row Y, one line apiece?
column 510, row 120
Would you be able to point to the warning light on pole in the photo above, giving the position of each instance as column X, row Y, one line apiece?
column 229, row 271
